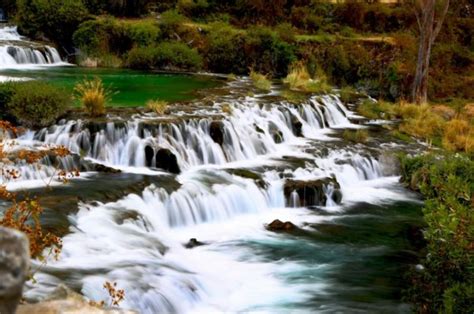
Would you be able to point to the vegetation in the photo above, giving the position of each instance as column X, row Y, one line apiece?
column 93, row 96
column 24, row 212
column 33, row 104
column 260, row 81
column 358, row 136
column 157, row 106
column 445, row 285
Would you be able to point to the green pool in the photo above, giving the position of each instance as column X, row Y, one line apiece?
column 132, row 88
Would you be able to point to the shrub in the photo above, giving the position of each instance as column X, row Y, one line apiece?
column 260, row 81
column 141, row 58
column 298, row 77
column 158, row 106
column 224, row 52
column 447, row 183
column 165, row 56
column 6, row 92
column 37, row 104
column 143, row 32
column 56, row 19
column 93, row 96
column 376, row 109
column 177, row 55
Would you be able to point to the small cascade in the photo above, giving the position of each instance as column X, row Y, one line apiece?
column 16, row 51
column 250, row 131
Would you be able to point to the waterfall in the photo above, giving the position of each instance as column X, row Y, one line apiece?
column 249, row 132
column 141, row 241
column 17, row 52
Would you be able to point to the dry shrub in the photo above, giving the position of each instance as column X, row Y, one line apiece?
column 468, row 110
column 93, row 96
column 160, row 107
column 445, row 112
column 458, row 136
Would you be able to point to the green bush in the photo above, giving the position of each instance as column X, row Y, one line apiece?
column 37, row 104
column 447, row 183
column 6, row 92
column 266, row 52
column 165, row 56
column 143, row 32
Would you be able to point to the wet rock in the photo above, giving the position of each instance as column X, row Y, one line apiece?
column 193, row 243
column 14, row 266
column 312, row 193
column 166, row 160
column 64, row 300
column 149, row 154
column 297, row 127
column 217, row 132
column 244, row 173
column 278, row 225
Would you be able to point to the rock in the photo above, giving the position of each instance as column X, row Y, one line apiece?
column 149, row 154
column 14, row 267
column 217, row 132
column 244, row 173
column 297, row 127
column 166, row 160
column 312, row 193
column 64, row 300
column 278, row 225
column 193, row 243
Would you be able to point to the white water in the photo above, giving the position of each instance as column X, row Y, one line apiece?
column 138, row 240
column 248, row 133
column 17, row 53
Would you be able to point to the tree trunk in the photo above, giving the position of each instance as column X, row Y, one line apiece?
column 429, row 27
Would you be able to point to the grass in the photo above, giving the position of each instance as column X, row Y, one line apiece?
column 299, row 79
column 159, row 107
column 93, row 96
column 358, row 136
column 260, row 81
column 376, row 109
column 458, row 136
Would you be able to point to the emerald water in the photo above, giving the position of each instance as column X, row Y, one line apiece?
column 132, row 88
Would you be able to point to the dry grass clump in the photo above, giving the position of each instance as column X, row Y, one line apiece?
column 299, row 79
column 226, row 108
column 420, row 121
column 377, row 109
column 159, row 107
column 93, row 96
column 458, row 136
column 260, row 81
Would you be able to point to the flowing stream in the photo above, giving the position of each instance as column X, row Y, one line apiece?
column 221, row 178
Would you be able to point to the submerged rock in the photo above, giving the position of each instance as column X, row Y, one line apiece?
column 166, row 160
column 193, row 243
column 312, row 193
column 278, row 225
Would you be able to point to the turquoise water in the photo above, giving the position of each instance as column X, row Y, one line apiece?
column 131, row 88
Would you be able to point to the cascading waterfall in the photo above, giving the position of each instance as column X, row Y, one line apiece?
column 17, row 52
column 139, row 240
column 249, row 132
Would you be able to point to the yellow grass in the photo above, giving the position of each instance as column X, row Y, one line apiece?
column 93, row 96
column 158, row 106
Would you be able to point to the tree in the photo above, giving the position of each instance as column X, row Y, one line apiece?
column 430, row 15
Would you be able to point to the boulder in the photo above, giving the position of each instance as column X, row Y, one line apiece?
column 14, row 267
column 278, row 225
column 166, row 160
column 312, row 193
